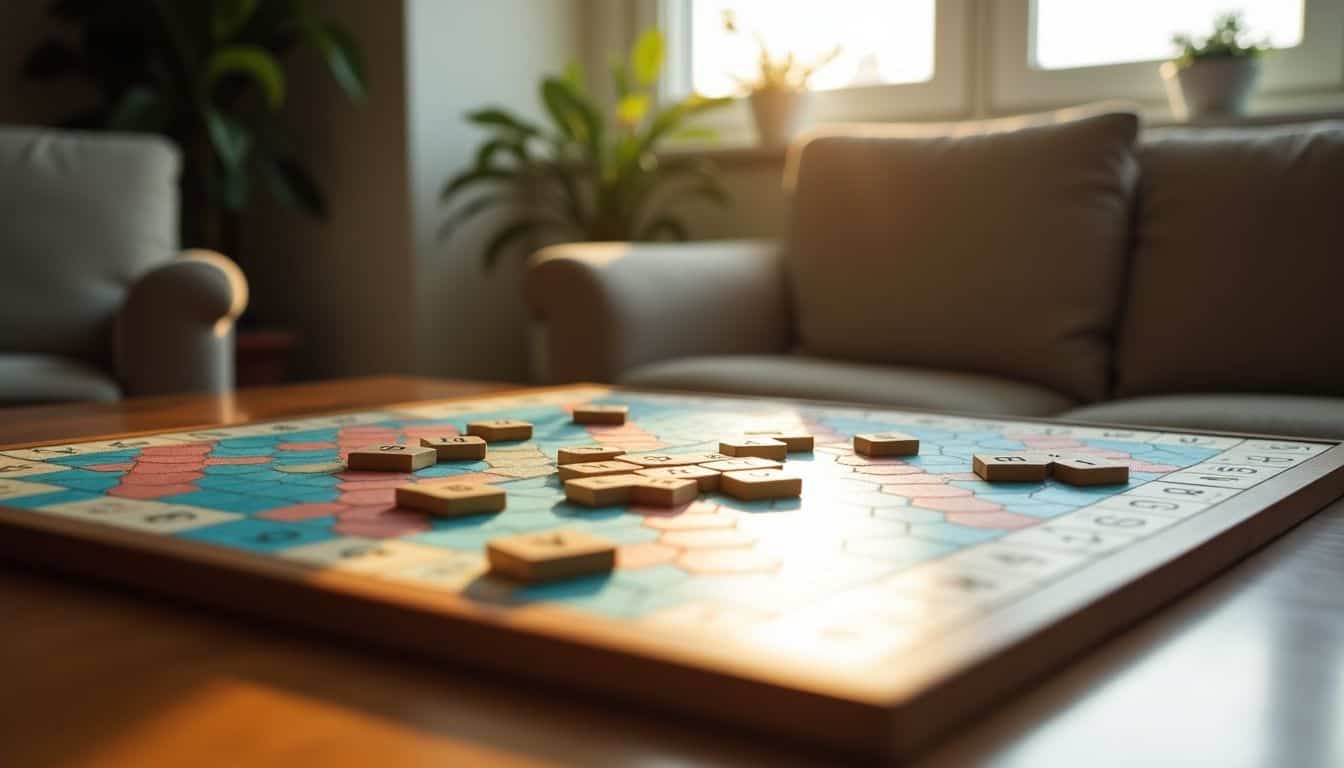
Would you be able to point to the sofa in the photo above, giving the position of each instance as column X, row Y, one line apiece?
column 1069, row 265
column 97, row 303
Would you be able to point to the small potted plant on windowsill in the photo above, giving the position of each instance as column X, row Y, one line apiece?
column 1214, row 75
column 779, row 96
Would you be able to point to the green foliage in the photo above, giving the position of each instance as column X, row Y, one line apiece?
column 1229, row 38
column 210, row 75
column 585, row 175
column 783, row 73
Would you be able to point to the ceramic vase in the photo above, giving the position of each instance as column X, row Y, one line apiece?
column 1210, row 87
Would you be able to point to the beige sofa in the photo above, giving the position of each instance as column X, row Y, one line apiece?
column 1062, row 266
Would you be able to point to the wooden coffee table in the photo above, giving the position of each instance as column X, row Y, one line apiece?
column 1245, row 671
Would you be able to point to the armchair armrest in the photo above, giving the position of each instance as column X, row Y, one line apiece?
column 175, row 332
column 609, row 307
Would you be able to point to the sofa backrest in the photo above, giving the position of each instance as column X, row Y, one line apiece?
column 1237, row 271
column 81, row 216
column 995, row 247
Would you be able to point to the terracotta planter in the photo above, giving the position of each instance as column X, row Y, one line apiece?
column 779, row 114
column 1210, row 87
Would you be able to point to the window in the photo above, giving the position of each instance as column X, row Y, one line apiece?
column 957, row 59
column 879, row 42
column 1063, row 31
column 898, row 58
column 1049, row 53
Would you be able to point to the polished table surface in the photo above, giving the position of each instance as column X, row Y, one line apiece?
column 1246, row 671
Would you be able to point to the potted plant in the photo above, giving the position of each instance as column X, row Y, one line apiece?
column 779, row 95
column 211, row 76
column 1213, row 75
column 586, row 175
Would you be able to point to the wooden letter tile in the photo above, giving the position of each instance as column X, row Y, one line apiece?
column 600, row 414
column 761, row 484
column 1011, row 467
column 456, row 447
column 391, row 457
column 603, row 490
column 739, row 465
column 497, row 430
column 708, row 479
column 584, row 453
column 594, row 469
column 758, row 447
column 1078, row 470
column 550, row 556
column 797, row 442
column 452, row 499
column 666, row 491
column 886, row 444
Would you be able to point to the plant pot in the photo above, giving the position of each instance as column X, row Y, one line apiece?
column 1210, row 87
column 779, row 114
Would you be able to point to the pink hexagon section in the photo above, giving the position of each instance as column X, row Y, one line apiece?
column 720, row 538
column 1003, row 521
column 958, row 504
column 644, row 555
column 728, row 561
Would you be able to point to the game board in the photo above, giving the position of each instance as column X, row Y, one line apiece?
column 896, row 596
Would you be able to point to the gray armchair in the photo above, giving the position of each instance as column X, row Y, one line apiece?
column 96, row 303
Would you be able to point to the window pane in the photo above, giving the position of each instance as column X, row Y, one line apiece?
column 882, row 41
column 1071, row 33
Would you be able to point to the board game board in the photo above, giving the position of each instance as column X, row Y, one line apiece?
column 894, row 597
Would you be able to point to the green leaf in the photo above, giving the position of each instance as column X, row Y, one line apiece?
column 344, row 60
column 253, row 62
column 292, row 187
column 231, row 139
column 646, row 58
column 620, row 78
column 485, row 154
column 669, row 224
column 512, row 232
column 475, row 176
column 573, row 74
column 631, row 109
column 495, row 117
column 229, row 16
column 229, row 186
column 140, row 110
column 573, row 113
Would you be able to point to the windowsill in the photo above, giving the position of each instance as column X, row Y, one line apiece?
column 741, row 152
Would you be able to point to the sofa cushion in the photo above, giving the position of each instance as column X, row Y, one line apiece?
column 1289, row 415
column 1238, row 263
column 973, row 247
column 34, row 379
column 821, row 379
column 82, row 215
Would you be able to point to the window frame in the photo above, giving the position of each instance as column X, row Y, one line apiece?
column 946, row 95
column 1290, row 77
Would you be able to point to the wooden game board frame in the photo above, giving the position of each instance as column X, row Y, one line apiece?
column 891, row 711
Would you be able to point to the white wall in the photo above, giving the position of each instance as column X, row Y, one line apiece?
column 462, row 55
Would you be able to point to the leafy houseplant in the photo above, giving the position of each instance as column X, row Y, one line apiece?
column 779, row 95
column 586, row 176
column 211, row 76
column 1215, row 74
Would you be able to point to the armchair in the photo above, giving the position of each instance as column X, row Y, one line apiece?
column 96, row 303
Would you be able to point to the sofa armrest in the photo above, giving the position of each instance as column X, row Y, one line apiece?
column 175, row 332
column 609, row 307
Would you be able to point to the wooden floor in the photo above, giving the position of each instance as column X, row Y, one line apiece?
column 1248, row 671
